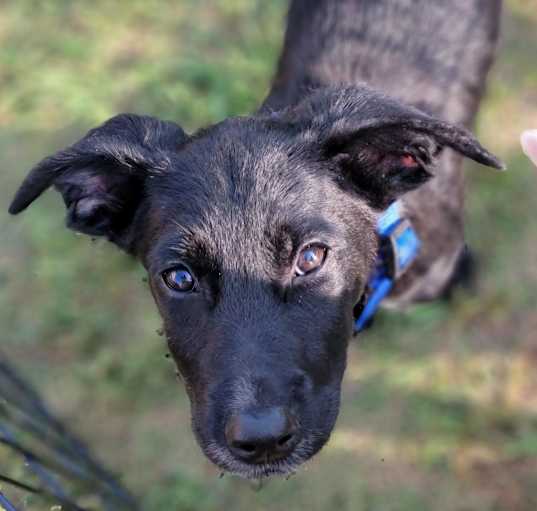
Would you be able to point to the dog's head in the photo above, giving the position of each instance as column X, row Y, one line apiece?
column 258, row 235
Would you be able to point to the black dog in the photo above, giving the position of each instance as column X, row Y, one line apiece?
column 259, row 233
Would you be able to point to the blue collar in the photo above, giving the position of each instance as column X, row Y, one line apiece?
column 399, row 245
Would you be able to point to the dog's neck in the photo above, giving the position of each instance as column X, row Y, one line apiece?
column 417, row 54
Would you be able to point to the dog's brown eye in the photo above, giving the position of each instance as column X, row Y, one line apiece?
column 179, row 279
column 310, row 258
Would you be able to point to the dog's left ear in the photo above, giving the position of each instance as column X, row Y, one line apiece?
column 381, row 147
column 102, row 176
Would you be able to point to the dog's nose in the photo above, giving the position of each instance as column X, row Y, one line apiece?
column 262, row 435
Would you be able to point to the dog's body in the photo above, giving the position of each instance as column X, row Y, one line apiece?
column 259, row 233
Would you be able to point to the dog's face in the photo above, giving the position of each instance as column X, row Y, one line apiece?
column 258, row 235
column 259, row 257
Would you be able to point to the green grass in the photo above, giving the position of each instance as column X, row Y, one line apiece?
column 440, row 403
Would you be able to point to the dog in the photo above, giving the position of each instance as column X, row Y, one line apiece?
column 259, row 233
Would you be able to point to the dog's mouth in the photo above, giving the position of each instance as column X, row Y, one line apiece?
column 261, row 468
column 258, row 442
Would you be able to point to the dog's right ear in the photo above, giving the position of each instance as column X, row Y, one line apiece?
column 101, row 177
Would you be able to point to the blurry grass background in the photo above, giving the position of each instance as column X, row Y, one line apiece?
column 440, row 405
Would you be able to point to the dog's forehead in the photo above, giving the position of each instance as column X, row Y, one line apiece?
column 245, row 189
column 245, row 175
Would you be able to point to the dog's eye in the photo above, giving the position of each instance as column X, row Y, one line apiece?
column 179, row 279
column 310, row 258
